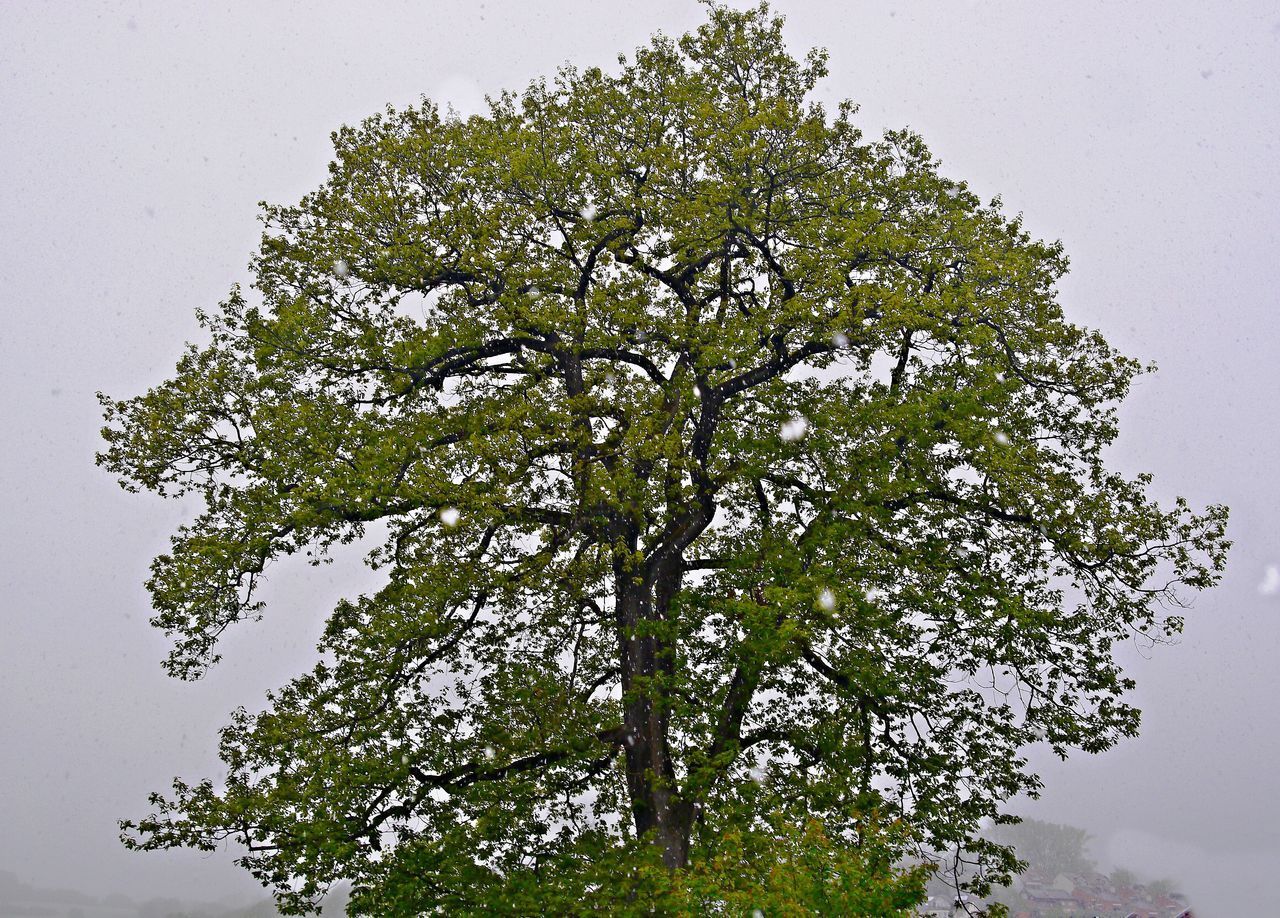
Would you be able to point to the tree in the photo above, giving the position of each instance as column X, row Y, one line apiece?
column 727, row 471
column 1048, row 846
column 1122, row 877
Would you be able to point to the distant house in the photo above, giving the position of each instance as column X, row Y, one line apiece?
column 1038, row 894
column 936, row 907
column 1047, row 898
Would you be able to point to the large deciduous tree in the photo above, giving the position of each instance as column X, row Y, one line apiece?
column 729, row 472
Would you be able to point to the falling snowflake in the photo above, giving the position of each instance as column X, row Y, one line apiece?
column 341, row 269
column 449, row 516
column 630, row 739
column 733, row 364
column 1002, row 438
column 840, row 339
column 794, row 428
column 1270, row 585
column 589, row 212
column 875, row 594
column 827, row 600
column 535, row 293
column 488, row 753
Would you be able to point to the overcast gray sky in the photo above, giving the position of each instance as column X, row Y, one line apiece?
column 136, row 139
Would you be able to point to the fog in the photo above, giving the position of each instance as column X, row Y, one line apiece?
column 138, row 137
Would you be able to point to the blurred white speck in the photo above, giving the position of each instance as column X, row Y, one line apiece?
column 840, row 339
column 488, row 753
column 794, row 428
column 535, row 293
column 630, row 739
column 827, row 600
column 756, row 913
column 733, row 364
column 1002, row 438
column 875, row 594
column 589, row 212
column 1270, row 585
column 697, row 391
column 449, row 516
column 341, row 268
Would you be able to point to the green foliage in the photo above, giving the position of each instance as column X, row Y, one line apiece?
column 724, row 464
column 787, row 870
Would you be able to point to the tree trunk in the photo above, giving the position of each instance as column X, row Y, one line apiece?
column 651, row 781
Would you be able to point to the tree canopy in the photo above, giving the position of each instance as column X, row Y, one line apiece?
column 736, row 481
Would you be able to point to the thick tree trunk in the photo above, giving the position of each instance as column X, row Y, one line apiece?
column 647, row 662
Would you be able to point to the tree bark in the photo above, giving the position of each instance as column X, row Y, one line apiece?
column 647, row 664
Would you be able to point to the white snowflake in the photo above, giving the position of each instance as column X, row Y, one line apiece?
column 341, row 269
column 449, row 516
column 827, row 600
column 840, row 339
column 535, row 293
column 875, row 594
column 1270, row 585
column 1002, row 438
column 794, row 428
column 589, row 212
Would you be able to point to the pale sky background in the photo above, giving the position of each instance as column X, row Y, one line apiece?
column 137, row 137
